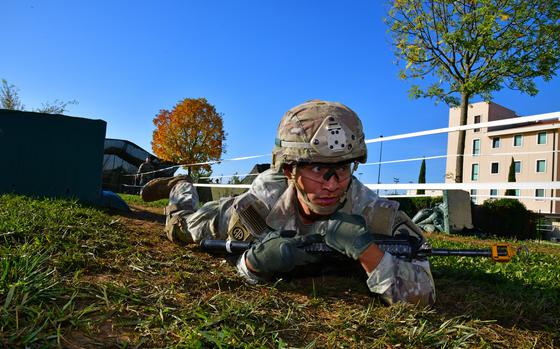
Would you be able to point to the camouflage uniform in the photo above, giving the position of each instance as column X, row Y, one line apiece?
column 273, row 199
column 314, row 132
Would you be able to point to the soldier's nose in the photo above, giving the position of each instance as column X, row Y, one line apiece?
column 331, row 184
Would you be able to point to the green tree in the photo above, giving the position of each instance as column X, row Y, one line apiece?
column 55, row 107
column 422, row 177
column 235, row 179
column 474, row 47
column 9, row 97
column 511, row 178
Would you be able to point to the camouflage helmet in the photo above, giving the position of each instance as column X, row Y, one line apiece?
column 319, row 131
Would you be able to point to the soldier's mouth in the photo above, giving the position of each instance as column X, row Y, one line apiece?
column 326, row 201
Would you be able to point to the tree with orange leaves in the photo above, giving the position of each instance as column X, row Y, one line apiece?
column 190, row 133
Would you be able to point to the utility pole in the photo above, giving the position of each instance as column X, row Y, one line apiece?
column 379, row 164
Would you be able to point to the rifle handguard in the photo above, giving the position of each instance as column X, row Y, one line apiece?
column 399, row 248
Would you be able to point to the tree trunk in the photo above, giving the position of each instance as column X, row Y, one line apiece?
column 461, row 143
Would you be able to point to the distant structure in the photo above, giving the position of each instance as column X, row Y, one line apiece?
column 121, row 159
column 488, row 152
column 257, row 169
column 46, row 155
column 216, row 193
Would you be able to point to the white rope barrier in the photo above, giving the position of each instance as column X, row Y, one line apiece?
column 407, row 160
column 367, row 163
column 466, row 186
column 456, row 155
column 555, row 116
column 436, row 188
column 388, row 161
column 231, row 176
column 538, row 198
column 429, row 186
column 201, row 163
column 510, row 121
column 417, row 186
column 208, row 185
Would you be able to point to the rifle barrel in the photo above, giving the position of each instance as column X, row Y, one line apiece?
column 464, row 253
column 223, row 246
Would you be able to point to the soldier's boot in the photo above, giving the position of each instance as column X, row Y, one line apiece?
column 159, row 188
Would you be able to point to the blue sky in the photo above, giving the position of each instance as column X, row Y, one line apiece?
column 123, row 61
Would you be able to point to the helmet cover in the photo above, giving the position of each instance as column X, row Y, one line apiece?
column 321, row 132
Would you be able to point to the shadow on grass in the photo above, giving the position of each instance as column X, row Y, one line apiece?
column 488, row 296
column 475, row 294
column 143, row 215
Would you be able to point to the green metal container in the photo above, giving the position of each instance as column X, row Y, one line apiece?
column 46, row 155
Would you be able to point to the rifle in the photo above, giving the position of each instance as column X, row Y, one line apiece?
column 397, row 246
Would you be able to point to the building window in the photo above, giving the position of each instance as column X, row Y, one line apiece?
column 495, row 167
column 517, row 165
column 496, row 142
column 539, row 193
column 517, row 140
column 541, row 138
column 541, row 165
column 493, row 192
column 473, row 196
column 476, row 121
column 476, row 147
column 474, row 172
column 517, row 192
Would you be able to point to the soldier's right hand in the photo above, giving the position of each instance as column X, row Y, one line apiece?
column 281, row 252
column 346, row 233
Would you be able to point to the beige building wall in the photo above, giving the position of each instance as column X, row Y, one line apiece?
column 492, row 151
column 486, row 111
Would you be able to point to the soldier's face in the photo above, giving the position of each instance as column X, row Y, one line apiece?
column 324, row 184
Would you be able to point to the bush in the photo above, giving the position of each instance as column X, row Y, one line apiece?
column 411, row 206
column 505, row 217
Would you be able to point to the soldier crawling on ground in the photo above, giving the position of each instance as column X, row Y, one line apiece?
column 308, row 195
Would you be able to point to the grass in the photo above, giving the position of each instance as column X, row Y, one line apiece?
column 76, row 276
column 137, row 201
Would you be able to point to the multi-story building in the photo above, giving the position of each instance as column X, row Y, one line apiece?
column 489, row 152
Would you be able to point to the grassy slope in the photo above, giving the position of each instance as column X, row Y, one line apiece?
column 76, row 276
column 136, row 200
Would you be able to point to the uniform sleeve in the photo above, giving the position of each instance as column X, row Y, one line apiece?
column 397, row 280
column 247, row 275
column 211, row 220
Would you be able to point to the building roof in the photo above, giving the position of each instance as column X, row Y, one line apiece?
column 523, row 128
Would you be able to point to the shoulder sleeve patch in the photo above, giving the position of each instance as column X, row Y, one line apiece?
column 248, row 219
column 380, row 215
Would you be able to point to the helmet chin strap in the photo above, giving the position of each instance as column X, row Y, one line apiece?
column 318, row 209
